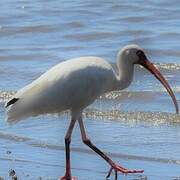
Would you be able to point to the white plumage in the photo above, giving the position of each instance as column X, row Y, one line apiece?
column 72, row 84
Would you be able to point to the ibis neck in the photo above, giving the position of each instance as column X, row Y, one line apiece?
column 125, row 74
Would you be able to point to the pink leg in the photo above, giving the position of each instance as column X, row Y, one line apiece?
column 117, row 168
column 67, row 175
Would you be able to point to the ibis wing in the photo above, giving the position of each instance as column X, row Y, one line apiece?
column 12, row 101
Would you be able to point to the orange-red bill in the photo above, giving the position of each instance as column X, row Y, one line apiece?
column 150, row 66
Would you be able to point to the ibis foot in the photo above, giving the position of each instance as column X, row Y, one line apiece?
column 68, row 178
column 117, row 168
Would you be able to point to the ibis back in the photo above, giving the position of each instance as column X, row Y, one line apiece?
column 72, row 84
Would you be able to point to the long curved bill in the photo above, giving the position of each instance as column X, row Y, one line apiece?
column 150, row 66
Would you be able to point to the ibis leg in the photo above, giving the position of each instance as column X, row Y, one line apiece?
column 117, row 168
column 67, row 146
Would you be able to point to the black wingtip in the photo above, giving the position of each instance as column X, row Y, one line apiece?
column 12, row 101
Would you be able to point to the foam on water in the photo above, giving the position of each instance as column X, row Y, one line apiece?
column 127, row 101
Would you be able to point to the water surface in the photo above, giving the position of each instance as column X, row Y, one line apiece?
column 137, row 127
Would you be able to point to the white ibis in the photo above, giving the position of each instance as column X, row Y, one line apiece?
column 73, row 85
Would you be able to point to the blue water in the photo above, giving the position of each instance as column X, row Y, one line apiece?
column 137, row 127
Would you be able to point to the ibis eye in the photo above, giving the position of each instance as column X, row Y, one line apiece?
column 139, row 53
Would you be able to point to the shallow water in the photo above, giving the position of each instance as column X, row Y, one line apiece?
column 137, row 126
